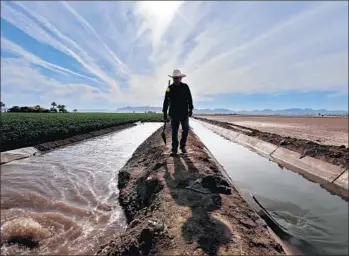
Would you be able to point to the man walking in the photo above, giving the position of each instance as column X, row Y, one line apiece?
column 178, row 97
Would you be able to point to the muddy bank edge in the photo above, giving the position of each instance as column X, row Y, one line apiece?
column 184, row 206
column 17, row 154
column 331, row 175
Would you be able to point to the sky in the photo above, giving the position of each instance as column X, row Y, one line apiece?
column 236, row 55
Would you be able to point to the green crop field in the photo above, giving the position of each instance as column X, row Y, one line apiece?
column 28, row 129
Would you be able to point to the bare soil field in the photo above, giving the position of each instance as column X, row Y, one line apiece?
column 300, row 134
column 184, row 206
column 323, row 130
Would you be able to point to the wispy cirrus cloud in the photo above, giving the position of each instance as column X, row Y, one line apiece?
column 11, row 47
column 117, row 53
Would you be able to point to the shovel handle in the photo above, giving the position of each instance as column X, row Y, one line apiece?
column 164, row 127
column 165, row 121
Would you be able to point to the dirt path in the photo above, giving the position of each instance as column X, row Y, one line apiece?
column 184, row 206
column 337, row 155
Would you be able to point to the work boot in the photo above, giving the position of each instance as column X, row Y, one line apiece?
column 173, row 154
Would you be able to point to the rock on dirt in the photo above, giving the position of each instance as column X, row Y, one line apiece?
column 215, row 184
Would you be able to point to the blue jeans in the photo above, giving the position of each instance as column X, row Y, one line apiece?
column 185, row 130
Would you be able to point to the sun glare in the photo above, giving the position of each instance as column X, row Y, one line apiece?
column 161, row 8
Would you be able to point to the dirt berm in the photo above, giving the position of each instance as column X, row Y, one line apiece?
column 336, row 155
column 184, row 206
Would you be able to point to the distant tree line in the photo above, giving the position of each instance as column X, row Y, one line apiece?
column 38, row 109
column 26, row 109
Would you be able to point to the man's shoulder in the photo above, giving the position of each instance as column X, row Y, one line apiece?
column 186, row 86
column 168, row 89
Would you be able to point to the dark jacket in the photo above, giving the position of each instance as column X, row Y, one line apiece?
column 178, row 97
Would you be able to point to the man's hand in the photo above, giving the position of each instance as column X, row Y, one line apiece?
column 165, row 118
column 190, row 113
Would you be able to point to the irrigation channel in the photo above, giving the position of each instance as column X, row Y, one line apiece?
column 68, row 197
column 308, row 212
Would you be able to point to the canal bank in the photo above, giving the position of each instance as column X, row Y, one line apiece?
column 184, row 206
column 21, row 153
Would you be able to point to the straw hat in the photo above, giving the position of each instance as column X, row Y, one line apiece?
column 177, row 73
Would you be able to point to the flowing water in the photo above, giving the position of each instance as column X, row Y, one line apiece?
column 306, row 210
column 68, row 199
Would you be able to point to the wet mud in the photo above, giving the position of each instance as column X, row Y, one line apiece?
column 184, row 206
column 337, row 155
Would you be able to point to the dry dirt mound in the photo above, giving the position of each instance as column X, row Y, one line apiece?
column 184, row 206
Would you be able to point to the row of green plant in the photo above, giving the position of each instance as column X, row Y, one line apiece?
column 29, row 129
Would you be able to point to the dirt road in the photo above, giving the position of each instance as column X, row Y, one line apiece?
column 184, row 206
column 324, row 130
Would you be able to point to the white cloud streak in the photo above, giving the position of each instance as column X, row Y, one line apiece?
column 28, row 81
column 12, row 47
column 60, row 41
column 224, row 47
column 118, row 63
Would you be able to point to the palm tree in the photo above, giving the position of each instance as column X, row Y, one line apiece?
column 53, row 104
column 62, row 108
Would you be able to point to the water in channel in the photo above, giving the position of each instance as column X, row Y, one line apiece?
column 306, row 210
column 68, row 198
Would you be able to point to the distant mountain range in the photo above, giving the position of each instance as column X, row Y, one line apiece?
column 294, row 111
column 159, row 110
column 290, row 111
column 139, row 109
column 96, row 111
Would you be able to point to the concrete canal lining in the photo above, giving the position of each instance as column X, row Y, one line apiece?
column 17, row 154
column 333, row 178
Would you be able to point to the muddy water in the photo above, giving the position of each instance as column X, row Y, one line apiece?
column 67, row 199
column 307, row 211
